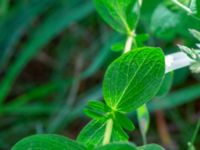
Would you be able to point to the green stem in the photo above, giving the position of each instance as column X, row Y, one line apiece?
column 185, row 8
column 108, row 132
column 130, row 42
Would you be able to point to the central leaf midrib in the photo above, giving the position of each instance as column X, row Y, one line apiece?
column 124, row 91
column 122, row 19
column 142, row 79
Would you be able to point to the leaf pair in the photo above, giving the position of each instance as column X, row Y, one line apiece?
column 99, row 111
column 130, row 81
column 121, row 15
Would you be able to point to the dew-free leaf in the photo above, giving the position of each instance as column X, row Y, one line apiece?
column 96, row 110
column 118, row 146
column 121, row 15
column 166, row 85
column 195, row 33
column 151, row 147
column 124, row 121
column 198, row 8
column 93, row 133
column 133, row 79
column 118, row 47
column 47, row 142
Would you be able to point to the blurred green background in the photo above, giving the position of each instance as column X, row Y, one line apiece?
column 53, row 55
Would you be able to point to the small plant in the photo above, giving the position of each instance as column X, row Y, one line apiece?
column 129, row 83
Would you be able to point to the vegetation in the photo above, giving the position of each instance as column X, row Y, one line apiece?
column 59, row 59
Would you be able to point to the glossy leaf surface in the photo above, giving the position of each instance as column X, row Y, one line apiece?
column 151, row 147
column 47, row 142
column 119, row 14
column 93, row 133
column 118, row 146
column 133, row 79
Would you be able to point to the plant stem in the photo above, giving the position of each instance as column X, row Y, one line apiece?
column 182, row 6
column 108, row 132
column 128, row 45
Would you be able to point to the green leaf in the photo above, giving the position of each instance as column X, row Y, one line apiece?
column 47, row 142
column 151, row 147
column 191, row 146
column 118, row 46
column 117, row 146
column 140, row 39
column 166, row 85
column 98, row 105
column 195, row 33
column 96, row 110
column 133, row 79
column 198, row 8
column 176, row 98
column 119, row 14
column 93, row 133
column 124, row 121
column 143, row 120
column 162, row 28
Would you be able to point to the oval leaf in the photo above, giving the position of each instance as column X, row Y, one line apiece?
column 166, row 85
column 93, row 133
column 151, row 147
column 133, row 79
column 119, row 14
column 47, row 142
column 118, row 146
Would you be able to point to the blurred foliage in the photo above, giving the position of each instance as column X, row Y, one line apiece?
column 53, row 54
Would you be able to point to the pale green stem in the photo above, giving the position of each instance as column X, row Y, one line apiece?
column 108, row 132
column 128, row 45
column 188, row 10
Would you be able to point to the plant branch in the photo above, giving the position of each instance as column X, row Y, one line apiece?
column 185, row 8
column 108, row 132
column 128, row 44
